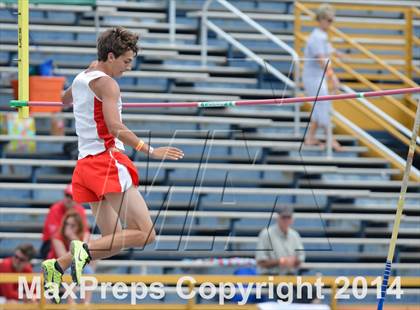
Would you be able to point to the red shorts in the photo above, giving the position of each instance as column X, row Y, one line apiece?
column 97, row 175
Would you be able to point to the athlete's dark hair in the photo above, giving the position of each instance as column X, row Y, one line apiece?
column 117, row 41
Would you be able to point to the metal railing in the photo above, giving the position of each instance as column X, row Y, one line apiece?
column 396, row 127
column 371, row 141
column 404, row 130
column 206, row 24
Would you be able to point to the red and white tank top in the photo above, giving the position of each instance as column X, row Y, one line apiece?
column 92, row 132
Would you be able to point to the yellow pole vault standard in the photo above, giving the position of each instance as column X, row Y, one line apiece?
column 23, row 56
column 400, row 207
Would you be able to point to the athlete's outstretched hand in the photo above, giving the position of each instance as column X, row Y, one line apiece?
column 167, row 152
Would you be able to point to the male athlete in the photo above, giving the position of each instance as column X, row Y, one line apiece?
column 104, row 176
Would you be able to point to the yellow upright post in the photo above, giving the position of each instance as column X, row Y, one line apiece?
column 23, row 55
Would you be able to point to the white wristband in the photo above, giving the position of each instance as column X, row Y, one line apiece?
column 151, row 149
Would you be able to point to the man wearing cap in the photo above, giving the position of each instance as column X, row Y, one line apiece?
column 280, row 252
column 55, row 216
column 280, row 248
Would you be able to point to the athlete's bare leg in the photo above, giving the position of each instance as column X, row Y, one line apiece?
column 107, row 220
column 129, row 207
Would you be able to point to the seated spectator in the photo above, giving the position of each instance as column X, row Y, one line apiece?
column 55, row 217
column 20, row 262
column 280, row 248
column 71, row 228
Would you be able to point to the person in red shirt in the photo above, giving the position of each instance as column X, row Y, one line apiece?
column 18, row 263
column 72, row 228
column 55, row 217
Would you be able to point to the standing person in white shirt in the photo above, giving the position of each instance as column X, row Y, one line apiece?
column 316, row 70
